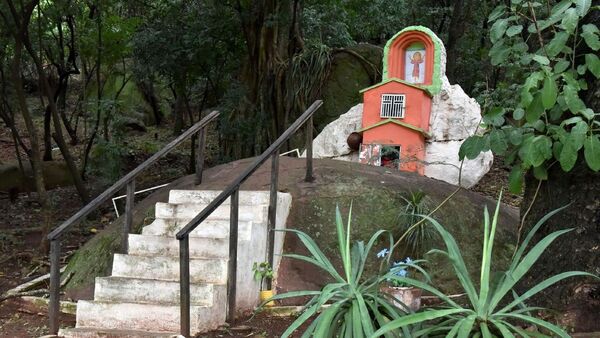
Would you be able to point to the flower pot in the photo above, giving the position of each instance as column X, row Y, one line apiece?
column 266, row 294
column 408, row 296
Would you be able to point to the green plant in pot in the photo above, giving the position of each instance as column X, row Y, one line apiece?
column 262, row 273
column 402, row 295
column 494, row 309
column 352, row 304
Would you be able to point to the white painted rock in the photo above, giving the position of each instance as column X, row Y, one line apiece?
column 454, row 115
column 441, row 162
column 331, row 142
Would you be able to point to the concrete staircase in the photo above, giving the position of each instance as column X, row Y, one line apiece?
column 141, row 298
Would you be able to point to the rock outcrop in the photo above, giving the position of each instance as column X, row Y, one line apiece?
column 454, row 117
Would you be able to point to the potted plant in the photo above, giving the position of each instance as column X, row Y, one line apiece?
column 263, row 272
column 401, row 294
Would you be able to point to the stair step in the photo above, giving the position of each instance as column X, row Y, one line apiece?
column 136, row 290
column 84, row 332
column 151, row 317
column 144, row 245
column 189, row 211
column 169, row 227
column 209, row 270
column 207, row 196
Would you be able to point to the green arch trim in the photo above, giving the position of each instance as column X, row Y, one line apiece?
column 436, row 80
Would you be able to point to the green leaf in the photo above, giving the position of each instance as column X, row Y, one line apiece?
column 498, row 53
column 514, row 30
column 542, row 60
column 515, row 136
column 549, row 92
column 583, row 6
column 568, row 155
column 569, row 21
column 498, row 29
column 540, row 172
column 472, row 147
column 535, row 109
column 531, row 82
column 572, row 99
column 561, row 66
column 515, row 180
column 589, row 33
column 540, row 149
column 591, row 152
column 557, row 44
column 588, row 113
column 414, row 319
column 498, row 143
column 518, row 113
column 497, row 13
column 593, row 64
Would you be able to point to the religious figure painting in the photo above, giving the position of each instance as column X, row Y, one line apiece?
column 415, row 66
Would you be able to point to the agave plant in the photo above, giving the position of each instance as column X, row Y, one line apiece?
column 415, row 238
column 351, row 305
column 495, row 307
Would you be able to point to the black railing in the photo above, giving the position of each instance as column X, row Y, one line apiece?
column 129, row 181
column 233, row 191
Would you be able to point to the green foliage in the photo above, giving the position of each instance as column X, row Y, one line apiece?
column 356, row 307
column 262, row 272
column 550, row 121
column 490, row 309
column 106, row 160
column 417, row 239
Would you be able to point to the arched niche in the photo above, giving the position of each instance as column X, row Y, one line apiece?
column 411, row 58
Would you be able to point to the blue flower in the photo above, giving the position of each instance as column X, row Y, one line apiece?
column 408, row 260
column 401, row 273
column 383, row 253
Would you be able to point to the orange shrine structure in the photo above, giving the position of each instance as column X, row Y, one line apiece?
column 396, row 112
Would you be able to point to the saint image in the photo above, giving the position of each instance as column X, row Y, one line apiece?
column 415, row 66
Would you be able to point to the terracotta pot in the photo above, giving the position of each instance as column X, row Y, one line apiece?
column 266, row 294
column 409, row 296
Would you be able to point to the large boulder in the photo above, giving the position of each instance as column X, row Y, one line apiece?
column 331, row 142
column 375, row 193
column 56, row 174
column 454, row 117
column 352, row 69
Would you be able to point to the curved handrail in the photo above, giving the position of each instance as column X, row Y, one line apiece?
column 120, row 184
column 232, row 190
column 129, row 181
column 249, row 171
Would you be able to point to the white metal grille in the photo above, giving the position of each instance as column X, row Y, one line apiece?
column 392, row 106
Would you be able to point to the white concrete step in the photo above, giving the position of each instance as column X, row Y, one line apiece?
column 189, row 211
column 169, row 227
column 207, row 196
column 200, row 247
column 149, row 291
column 108, row 333
column 153, row 317
column 209, row 270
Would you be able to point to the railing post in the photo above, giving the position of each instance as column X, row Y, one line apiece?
column 184, row 285
column 129, row 201
column 233, row 246
column 309, row 150
column 272, row 211
column 54, row 305
column 200, row 145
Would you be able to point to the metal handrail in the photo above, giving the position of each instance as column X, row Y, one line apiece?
column 232, row 190
column 126, row 181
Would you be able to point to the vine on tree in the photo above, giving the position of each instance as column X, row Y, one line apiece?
column 556, row 50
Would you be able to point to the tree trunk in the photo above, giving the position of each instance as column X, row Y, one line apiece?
column 458, row 23
column 58, row 134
